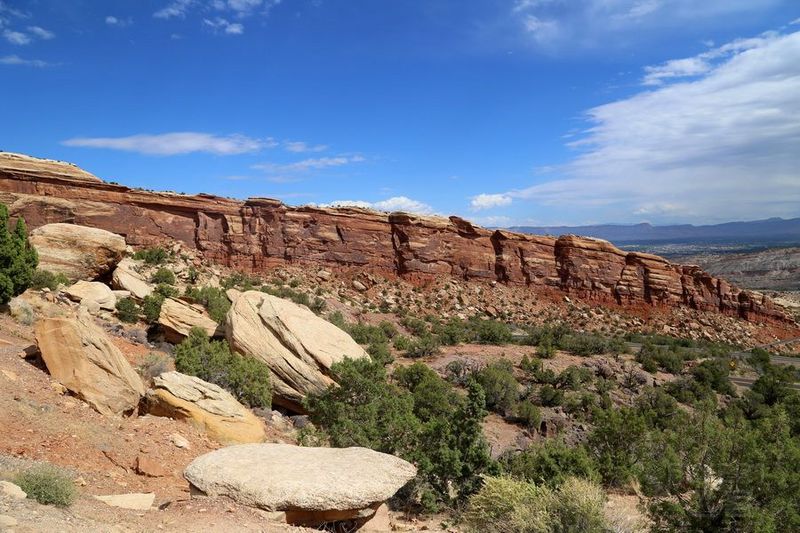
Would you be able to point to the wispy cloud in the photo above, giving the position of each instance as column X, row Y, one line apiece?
column 222, row 25
column 41, row 33
column 111, row 20
column 16, row 60
column 177, row 143
column 722, row 145
column 396, row 203
column 300, row 147
column 31, row 34
column 175, row 9
column 316, row 163
column 554, row 25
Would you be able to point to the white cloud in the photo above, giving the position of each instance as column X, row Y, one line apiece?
column 16, row 60
column 721, row 146
column 396, row 203
column 318, row 163
column 602, row 24
column 300, row 147
column 174, row 143
column 488, row 201
column 41, row 33
column 111, row 20
column 16, row 37
column 225, row 26
column 176, row 8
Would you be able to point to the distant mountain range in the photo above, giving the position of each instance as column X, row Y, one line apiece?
column 769, row 230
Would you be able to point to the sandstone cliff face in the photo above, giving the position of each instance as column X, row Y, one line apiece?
column 261, row 233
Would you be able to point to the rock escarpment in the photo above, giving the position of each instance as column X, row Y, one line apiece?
column 260, row 233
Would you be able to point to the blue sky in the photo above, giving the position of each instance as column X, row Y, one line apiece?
column 504, row 112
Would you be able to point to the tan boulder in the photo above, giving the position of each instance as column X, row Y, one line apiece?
column 125, row 277
column 313, row 485
column 298, row 346
column 79, row 252
column 80, row 356
column 177, row 318
column 206, row 406
column 92, row 291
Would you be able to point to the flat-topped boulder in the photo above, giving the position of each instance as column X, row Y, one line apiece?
column 78, row 252
column 206, row 406
column 298, row 346
column 92, row 291
column 338, row 483
column 125, row 277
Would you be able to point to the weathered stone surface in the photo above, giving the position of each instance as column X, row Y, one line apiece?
column 135, row 501
column 283, row 477
column 177, row 318
column 261, row 233
column 206, row 406
column 79, row 252
column 80, row 356
column 126, row 278
column 298, row 346
column 10, row 490
column 92, row 291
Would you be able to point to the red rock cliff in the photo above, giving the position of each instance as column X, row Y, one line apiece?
column 261, row 233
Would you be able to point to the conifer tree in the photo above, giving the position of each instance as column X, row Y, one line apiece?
column 18, row 259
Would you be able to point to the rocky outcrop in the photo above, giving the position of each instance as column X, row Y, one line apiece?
column 79, row 252
column 86, row 292
column 125, row 277
column 206, row 406
column 298, row 346
column 313, row 485
column 80, row 356
column 261, row 233
column 177, row 318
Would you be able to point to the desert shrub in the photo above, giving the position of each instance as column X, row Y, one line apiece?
column 416, row 326
column 401, row 343
column 507, row 505
column 758, row 358
column 528, row 414
column 418, row 416
column 574, row 377
column 241, row 281
column 424, row 346
column 127, row 310
column 151, row 307
column 546, row 350
column 550, row 463
column 246, row 378
column 499, row 385
column 669, row 359
column 166, row 291
column 490, row 331
column 366, row 333
column 388, row 328
column 45, row 279
column 552, row 333
column 318, row 305
column 380, row 353
column 152, row 256
column 550, row 396
column 47, row 485
column 163, row 275
column 18, row 258
column 512, row 506
column 154, row 365
column 213, row 299
column 460, row 371
column 452, row 332
column 714, row 373
column 688, row 390
column 192, row 275
column 584, row 344
column 337, row 319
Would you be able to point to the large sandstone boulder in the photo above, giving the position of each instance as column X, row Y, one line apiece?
column 177, row 318
column 313, row 485
column 206, row 406
column 298, row 346
column 125, row 277
column 76, row 251
column 92, row 291
column 80, row 356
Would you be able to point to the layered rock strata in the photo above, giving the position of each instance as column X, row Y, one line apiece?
column 260, row 233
